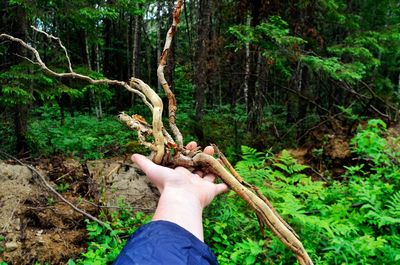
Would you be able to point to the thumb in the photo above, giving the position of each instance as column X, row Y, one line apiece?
column 221, row 188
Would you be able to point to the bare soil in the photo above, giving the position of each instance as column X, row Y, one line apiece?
column 36, row 226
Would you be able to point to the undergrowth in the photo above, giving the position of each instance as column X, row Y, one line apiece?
column 83, row 136
column 105, row 243
column 354, row 220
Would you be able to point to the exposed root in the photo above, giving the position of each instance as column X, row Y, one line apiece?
column 170, row 152
column 160, row 74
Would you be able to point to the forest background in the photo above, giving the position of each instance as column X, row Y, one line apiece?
column 322, row 76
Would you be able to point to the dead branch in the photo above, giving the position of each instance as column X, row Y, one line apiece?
column 369, row 103
column 379, row 98
column 267, row 215
column 160, row 73
column 163, row 143
column 306, row 98
column 73, row 75
column 59, row 43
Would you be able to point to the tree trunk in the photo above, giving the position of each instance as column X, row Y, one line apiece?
column 19, row 30
column 92, row 97
column 247, row 69
column 200, row 79
column 148, row 54
column 398, row 83
column 253, row 99
column 189, row 25
column 136, row 45
column 85, row 50
column 135, row 49
column 107, row 47
column 200, row 69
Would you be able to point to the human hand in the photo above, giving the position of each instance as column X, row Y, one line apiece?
column 180, row 182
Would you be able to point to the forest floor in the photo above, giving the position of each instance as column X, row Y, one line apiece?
column 36, row 226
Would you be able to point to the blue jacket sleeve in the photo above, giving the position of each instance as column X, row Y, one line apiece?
column 163, row 242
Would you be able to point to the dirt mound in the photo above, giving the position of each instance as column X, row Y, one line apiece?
column 118, row 179
column 36, row 226
column 14, row 190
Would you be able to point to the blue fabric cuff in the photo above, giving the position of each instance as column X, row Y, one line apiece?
column 163, row 242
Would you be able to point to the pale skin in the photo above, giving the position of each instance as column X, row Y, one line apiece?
column 184, row 194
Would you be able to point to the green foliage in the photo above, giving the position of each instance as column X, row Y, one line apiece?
column 19, row 84
column 40, row 263
column 349, row 222
column 381, row 154
column 349, row 114
column 370, row 143
column 50, row 201
column 7, row 137
column 334, row 68
column 2, row 241
column 184, row 96
column 251, row 158
column 104, row 244
column 225, row 125
column 273, row 37
column 99, row 91
column 83, row 136
column 62, row 187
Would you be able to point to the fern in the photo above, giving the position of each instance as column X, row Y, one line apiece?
column 353, row 222
column 288, row 164
column 252, row 158
column 394, row 204
column 377, row 214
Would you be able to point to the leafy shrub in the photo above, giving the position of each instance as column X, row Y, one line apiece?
column 83, row 136
column 7, row 137
column 105, row 243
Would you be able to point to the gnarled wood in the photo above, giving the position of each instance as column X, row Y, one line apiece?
column 163, row 143
column 160, row 74
column 266, row 214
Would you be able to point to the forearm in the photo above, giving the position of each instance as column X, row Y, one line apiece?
column 182, row 208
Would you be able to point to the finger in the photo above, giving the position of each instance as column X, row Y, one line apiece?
column 209, row 178
column 200, row 173
column 143, row 162
column 220, row 188
column 209, row 150
column 191, row 145
column 151, row 169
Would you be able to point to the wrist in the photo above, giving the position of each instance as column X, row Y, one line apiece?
column 182, row 208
